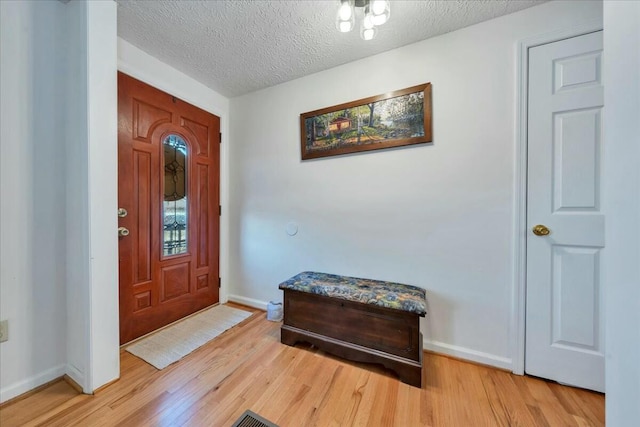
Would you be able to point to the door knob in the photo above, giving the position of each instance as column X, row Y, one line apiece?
column 122, row 212
column 541, row 230
column 123, row 231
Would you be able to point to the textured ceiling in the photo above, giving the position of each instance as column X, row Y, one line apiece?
column 237, row 47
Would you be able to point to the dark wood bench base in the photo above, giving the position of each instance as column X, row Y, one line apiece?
column 409, row 371
column 355, row 331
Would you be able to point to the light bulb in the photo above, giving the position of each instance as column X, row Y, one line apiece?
column 367, row 22
column 345, row 26
column 378, row 7
column 367, row 33
column 379, row 19
column 345, row 18
column 345, row 12
column 381, row 11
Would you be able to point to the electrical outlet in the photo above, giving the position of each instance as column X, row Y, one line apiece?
column 4, row 330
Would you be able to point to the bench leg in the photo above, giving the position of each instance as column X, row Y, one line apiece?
column 411, row 375
column 288, row 337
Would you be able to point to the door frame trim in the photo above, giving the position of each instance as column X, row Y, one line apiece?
column 519, row 261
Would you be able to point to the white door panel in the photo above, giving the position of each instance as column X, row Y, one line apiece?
column 576, row 160
column 564, row 334
column 574, row 294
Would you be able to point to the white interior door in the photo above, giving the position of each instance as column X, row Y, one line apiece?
column 564, row 324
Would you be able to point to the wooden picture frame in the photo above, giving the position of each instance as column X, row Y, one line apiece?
column 394, row 119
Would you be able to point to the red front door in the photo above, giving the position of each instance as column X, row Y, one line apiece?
column 168, row 184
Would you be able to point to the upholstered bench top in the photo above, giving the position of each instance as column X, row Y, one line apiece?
column 376, row 292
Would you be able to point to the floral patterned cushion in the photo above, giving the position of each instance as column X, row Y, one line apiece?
column 367, row 291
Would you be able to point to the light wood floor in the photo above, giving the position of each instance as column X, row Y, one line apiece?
column 248, row 368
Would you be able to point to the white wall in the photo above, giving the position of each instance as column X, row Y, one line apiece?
column 59, row 247
column 144, row 67
column 439, row 216
column 622, row 201
column 59, row 244
column 33, row 228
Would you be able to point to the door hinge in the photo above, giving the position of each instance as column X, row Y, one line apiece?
column 219, row 282
column 220, row 140
column 219, row 210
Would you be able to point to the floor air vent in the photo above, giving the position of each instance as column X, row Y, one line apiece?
column 251, row 419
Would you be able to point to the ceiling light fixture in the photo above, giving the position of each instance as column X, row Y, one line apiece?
column 375, row 13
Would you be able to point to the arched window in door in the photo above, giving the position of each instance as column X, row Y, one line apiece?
column 175, row 208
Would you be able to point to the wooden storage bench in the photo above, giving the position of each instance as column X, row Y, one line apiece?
column 357, row 319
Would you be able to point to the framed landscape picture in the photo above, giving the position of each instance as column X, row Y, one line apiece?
column 398, row 118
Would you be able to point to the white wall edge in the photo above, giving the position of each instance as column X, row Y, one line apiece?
column 102, row 118
column 28, row 384
column 76, row 375
column 251, row 302
column 468, row 354
column 224, row 244
column 518, row 303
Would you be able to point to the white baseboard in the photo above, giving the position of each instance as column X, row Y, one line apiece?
column 255, row 303
column 76, row 375
column 16, row 389
column 435, row 346
column 468, row 354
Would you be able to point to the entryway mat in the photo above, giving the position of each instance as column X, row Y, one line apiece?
column 171, row 344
